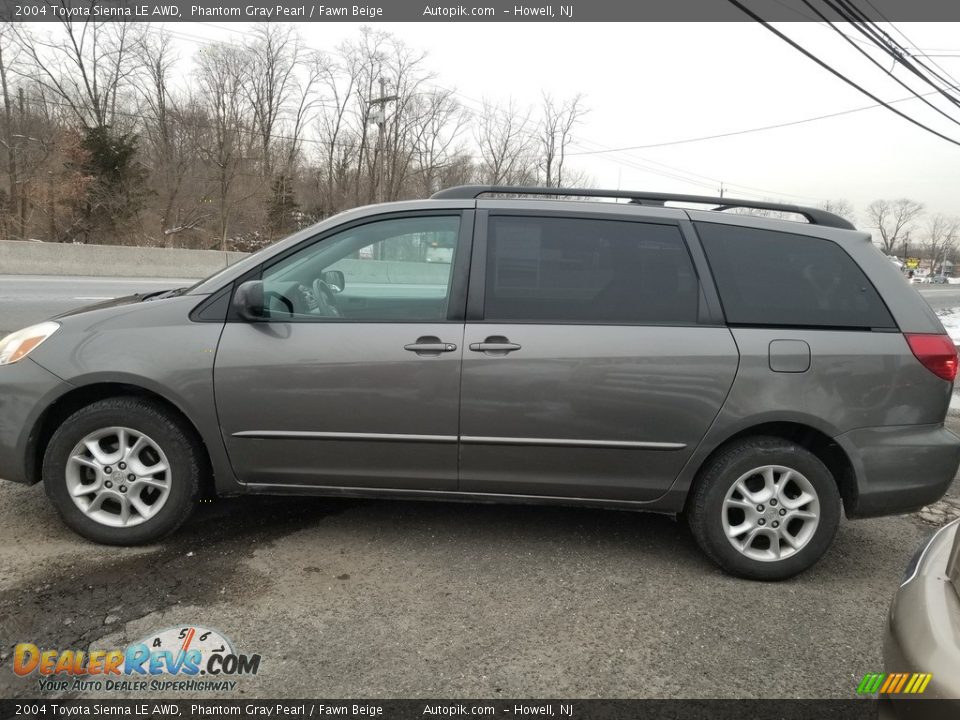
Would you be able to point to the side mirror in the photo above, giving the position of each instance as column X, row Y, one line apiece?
column 248, row 301
column 335, row 279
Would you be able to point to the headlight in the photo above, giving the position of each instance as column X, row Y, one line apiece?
column 18, row 345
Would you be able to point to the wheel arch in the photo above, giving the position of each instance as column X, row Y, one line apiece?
column 68, row 403
column 827, row 450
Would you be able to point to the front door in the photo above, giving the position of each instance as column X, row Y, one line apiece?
column 589, row 374
column 355, row 379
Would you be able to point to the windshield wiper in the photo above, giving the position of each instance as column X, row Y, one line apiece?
column 162, row 294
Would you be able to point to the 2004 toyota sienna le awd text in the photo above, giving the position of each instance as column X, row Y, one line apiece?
column 754, row 375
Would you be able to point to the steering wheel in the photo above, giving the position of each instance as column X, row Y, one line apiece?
column 325, row 298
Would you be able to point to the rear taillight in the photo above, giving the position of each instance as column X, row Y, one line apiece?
column 937, row 353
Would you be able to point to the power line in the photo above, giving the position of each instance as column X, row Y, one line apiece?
column 751, row 130
column 837, row 73
column 663, row 173
column 695, row 178
column 881, row 39
column 909, row 41
column 711, row 182
column 876, row 63
column 811, row 19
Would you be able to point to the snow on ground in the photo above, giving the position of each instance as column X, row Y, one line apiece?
column 950, row 318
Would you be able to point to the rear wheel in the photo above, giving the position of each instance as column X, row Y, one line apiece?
column 122, row 471
column 765, row 509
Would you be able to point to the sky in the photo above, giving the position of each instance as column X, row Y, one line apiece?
column 654, row 83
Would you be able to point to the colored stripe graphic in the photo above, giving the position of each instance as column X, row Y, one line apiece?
column 891, row 681
column 913, row 683
column 894, row 683
column 870, row 683
column 900, row 683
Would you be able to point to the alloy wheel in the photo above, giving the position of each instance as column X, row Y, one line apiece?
column 770, row 513
column 118, row 476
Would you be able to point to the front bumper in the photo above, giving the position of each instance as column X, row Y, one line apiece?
column 26, row 391
column 899, row 469
column 923, row 629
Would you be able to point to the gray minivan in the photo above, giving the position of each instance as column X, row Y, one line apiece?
column 752, row 374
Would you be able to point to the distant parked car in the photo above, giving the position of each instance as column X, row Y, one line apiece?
column 439, row 255
column 939, row 280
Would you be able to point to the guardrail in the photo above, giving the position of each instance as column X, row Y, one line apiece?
column 18, row 257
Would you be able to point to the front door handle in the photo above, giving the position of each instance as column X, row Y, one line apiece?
column 495, row 345
column 430, row 346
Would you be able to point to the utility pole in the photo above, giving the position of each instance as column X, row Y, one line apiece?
column 22, row 189
column 381, row 119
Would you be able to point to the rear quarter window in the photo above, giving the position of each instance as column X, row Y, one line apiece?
column 783, row 279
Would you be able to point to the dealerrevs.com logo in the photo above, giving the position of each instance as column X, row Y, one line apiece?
column 176, row 659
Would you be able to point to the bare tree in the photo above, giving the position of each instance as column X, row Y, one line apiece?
column 506, row 145
column 440, row 121
column 221, row 69
column 170, row 148
column 894, row 219
column 941, row 238
column 367, row 60
column 101, row 140
column 338, row 81
column 270, row 79
column 313, row 68
column 403, row 120
column 11, row 139
column 87, row 68
column 841, row 207
column 555, row 135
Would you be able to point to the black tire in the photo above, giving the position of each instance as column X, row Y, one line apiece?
column 705, row 512
column 182, row 452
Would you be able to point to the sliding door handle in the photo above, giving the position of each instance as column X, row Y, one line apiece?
column 495, row 345
column 430, row 345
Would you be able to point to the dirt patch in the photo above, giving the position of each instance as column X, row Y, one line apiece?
column 72, row 605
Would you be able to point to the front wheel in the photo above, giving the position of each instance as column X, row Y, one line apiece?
column 122, row 471
column 765, row 509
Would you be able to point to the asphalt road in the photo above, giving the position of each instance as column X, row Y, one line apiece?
column 28, row 299
column 940, row 297
column 349, row 598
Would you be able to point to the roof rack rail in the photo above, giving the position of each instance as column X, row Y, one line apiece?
column 814, row 216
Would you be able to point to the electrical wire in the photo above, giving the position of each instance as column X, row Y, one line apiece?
column 875, row 62
column 956, row 82
column 746, row 131
column 838, row 74
column 886, row 43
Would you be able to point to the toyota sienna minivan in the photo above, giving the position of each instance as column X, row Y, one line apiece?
column 755, row 376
